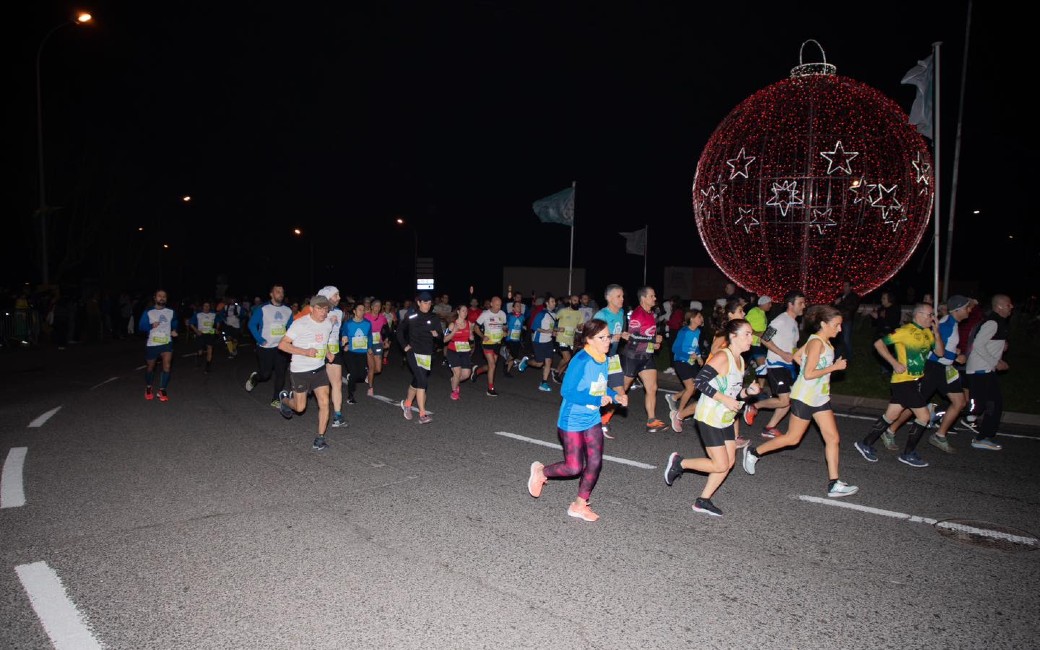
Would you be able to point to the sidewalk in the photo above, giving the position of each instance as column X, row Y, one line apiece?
column 868, row 405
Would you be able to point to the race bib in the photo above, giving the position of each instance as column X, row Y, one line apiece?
column 322, row 351
column 160, row 339
column 598, row 387
column 650, row 346
column 423, row 361
column 376, row 339
column 278, row 330
column 692, row 360
column 333, row 347
column 951, row 374
column 493, row 337
column 614, row 365
column 359, row 342
column 462, row 346
column 514, row 335
column 208, row 330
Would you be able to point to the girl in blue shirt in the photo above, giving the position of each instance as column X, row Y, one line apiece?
column 584, row 391
column 687, row 362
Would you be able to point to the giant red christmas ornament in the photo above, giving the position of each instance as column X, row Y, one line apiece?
column 810, row 182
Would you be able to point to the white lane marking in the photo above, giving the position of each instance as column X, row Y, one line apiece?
column 39, row 422
column 553, row 445
column 104, row 382
column 983, row 532
column 856, row 417
column 141, row 367
column 12, row 490
column 190, row 354
column 397, row 403
column 63, row 622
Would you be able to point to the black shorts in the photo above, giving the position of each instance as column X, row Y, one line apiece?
column 206, row 340
column 543, row 351
column 685, row 370
column 908, row 394
column 420, row 375
column 803, row 411
column 459, row 359
column 514, row 349
column 635, row 365
column 153, row 352
column 780, row 380
column 714, row 437
column 337, row 359
column 936, row 381
column 305, row 382
column 232, row 332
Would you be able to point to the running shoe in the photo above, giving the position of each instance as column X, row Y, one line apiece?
column 544, row 387
column 636, row 385
column 866, row 451
column 750, row 460
column 163, row 397
column 284, row 408
column 536, row 480
column 406, row 410
column 491, row 392
column 148, row 393
column 581, row 510
column 676, row 421
column 986, row 443
column 473, row 374
column 771, row 432
column 371, row 392
column 275, row 403
column 673, row 468
column 653, row 426
column 969, row 425
column 741, row 441
column 425, row 418
column 841, row 489
column 522, row 366
column 707, row 507
column 942, row 443
column 889, row 440
column 320, row 444
column 455, row 395
column 606, row 432
column 673, row 406
column 749, row 414
column 338, row 422
column 555, row 377
column 913, row 460
column 351, row 400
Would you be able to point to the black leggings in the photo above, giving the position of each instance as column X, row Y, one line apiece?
column 984, row 389
column 357, row 366
column 272, row 361
column 582, row 454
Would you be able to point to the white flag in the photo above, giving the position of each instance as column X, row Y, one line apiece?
column 635, row 242
column 922, row 76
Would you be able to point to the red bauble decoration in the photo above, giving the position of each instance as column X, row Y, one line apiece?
column 810, row 182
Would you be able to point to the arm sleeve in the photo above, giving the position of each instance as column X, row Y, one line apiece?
column 144, row 324
column 174, row 323
column 703, row 380
column 402, row 332
column 680, row 342
column 255, row 320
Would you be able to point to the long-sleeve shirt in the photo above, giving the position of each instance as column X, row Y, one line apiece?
column 160, row 335
column 417, row 330
column 687, row 346
column 584, row 386
column 269, row 323
column 988, row 346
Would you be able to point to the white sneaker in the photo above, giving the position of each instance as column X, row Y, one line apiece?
column 842, row 489
column 986, row 443
column 672, row 405
column 750, row 460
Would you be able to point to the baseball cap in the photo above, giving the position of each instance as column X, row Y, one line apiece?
column 328, row 291
column 957, row 302
column 765, row 300
column 424, row 296
column 319, row 301
column 696, row 304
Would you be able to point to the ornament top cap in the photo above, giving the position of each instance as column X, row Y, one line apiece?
column 810, row 69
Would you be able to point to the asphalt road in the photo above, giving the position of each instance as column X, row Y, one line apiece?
column 209, row 522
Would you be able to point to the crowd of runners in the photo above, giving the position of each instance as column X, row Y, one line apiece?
column 741, row 358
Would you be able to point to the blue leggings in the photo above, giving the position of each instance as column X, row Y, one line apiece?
column 582, row 454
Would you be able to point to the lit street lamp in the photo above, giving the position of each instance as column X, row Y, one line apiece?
column 81, row 19
column 298, row 232
column 415, row 257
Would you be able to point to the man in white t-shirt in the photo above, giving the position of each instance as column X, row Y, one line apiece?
column 307, row 340
column 780, row 339
column 493, row 322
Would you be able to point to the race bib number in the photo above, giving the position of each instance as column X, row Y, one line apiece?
column 208, row 330
column 514, row 335
column 333, row 347
column 322, row 351
column 423, row 361
column 951, row 374
column 692, row 360
column 376, row 338
column 598, row 387
column 650, row 346
column 359, row 342
column 493, row 337
column 160, row 339
column 462, row 346
column 278, row 330
column 614, row 365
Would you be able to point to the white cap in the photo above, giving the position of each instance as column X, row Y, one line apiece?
column 328, row 291
column 696, row 304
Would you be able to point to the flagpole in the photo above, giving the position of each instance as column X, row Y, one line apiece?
column 956, row 159
column 646, row 246
column 936, row 131
column 574, row 217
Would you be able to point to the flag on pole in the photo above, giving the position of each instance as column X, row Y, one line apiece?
column 922, row 76
column 557, row 208
column 635, row 242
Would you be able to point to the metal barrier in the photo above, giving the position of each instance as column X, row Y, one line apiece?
column 20, row 326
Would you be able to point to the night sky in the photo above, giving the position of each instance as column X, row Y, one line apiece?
column 455, row 116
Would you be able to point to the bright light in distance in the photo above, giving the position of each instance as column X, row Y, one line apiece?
column 297, row 231
column 141, row 229
column 400, row 222
column 83, row 17
column 165, row 245
column 976, row 211
column 186, row 199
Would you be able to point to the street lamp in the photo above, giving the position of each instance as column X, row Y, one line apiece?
column 81, row 19
column 298, row 232
column 415, row 235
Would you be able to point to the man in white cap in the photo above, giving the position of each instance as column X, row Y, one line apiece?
column 335, row 366
column 308, row 342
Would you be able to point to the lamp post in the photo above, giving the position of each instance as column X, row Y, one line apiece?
column 298, row 232
column 81, row 19
column 415, row 257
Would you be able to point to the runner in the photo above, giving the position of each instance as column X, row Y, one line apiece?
column 912, row 343
column 687, row 361
column 380, row 330
column 307, row 340
column 584, row 392
column 570, row 320
column 493, row 323
column 232, row 326
column 781, row 339
column 267, row 326
column 416, row 336
column 984, row 362
column 721, row 382
column 335, row 369
column 458, row 349
column 614, row 316
column 160, row 322
column 638, row 357
column 514, row 337
column 811, row 398
column 732, row 309
column 758, row 316
column 542, row 336
column 204, row 325
column 358, row 337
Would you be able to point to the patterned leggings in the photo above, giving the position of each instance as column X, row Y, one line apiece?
column 580, row 448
